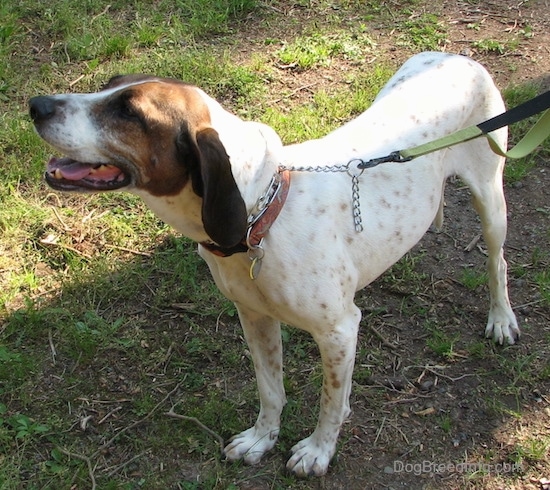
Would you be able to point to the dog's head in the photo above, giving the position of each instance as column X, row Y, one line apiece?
column 143, row 134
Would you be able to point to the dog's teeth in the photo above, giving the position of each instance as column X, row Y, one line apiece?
column 57, row 174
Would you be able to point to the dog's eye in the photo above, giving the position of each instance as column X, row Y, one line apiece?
column 128, row 112
column 126, row 109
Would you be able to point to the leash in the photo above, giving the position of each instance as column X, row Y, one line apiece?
column 536, row 135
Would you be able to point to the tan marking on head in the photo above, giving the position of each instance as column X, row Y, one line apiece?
column 141, row 125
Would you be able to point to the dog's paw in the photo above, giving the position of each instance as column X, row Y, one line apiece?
column 251, row 445
column 309, row 458
column 502, row 326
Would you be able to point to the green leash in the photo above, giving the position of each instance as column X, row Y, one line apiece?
column 536, row 135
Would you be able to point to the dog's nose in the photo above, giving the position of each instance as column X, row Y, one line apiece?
column 41, row 108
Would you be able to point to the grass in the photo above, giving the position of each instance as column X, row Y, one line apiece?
column 424, row 32
column 441, row 342
column 472, row 279
column 107, row 319
column 319, row 49
column 336, row 107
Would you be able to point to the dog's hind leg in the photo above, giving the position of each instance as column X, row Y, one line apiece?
column 489, row 202
column 263, row 336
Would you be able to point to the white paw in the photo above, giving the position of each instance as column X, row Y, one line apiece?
column 309, row 458
column 502, row 326
column 251, row 445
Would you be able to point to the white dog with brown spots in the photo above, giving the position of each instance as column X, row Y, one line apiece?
column 204, row 171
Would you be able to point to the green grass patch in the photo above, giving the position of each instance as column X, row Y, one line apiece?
column 493, row 46
column 298, row 125
column 335, row 108
column 423, row 32
column 320, row 49
column 532, row 450
column 473, row 279
column 442, row 343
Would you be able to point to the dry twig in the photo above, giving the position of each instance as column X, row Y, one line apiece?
column 86, row 459
column 198, row 423
column 382, row 339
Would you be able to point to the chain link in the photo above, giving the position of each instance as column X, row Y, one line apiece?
column 318, row 169
column 356, row 198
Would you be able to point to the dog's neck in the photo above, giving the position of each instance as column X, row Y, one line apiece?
column 253, row 149
column 182, row 212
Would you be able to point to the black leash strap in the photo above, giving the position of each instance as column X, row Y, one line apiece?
column 536, row 135
column 519, row 113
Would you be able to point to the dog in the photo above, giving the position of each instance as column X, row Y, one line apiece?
column 209, row 174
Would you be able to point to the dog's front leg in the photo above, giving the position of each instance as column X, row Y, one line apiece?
column 263, row 336
column 312, row 455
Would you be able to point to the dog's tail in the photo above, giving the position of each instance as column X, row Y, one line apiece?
column 438, row 220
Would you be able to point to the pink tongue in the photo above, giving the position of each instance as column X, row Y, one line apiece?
column 75, row 171
column 78, row 171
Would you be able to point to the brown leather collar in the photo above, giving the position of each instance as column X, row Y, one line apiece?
column 266, row 211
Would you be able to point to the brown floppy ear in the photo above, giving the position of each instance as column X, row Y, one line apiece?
column 223, row 208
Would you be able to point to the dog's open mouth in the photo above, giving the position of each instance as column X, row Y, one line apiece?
column 69, row 175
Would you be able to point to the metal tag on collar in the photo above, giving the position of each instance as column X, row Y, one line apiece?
column 255, row 254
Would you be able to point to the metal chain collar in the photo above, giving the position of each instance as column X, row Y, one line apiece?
column 353, row 171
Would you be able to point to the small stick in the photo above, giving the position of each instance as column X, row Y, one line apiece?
column 86, row 459
column 385, row 342
column 472, row 244
column 65, row 227
column 138, row 422
column 126, row 463
column 52, row 347
column 294, row 92
column 378, row 432
column 47, row 241
column 74, row 82
column 105, row 10
column 197, row 422
column 114, row 410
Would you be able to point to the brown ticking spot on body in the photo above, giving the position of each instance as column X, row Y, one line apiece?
column 335, row 383
column 384, row 203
